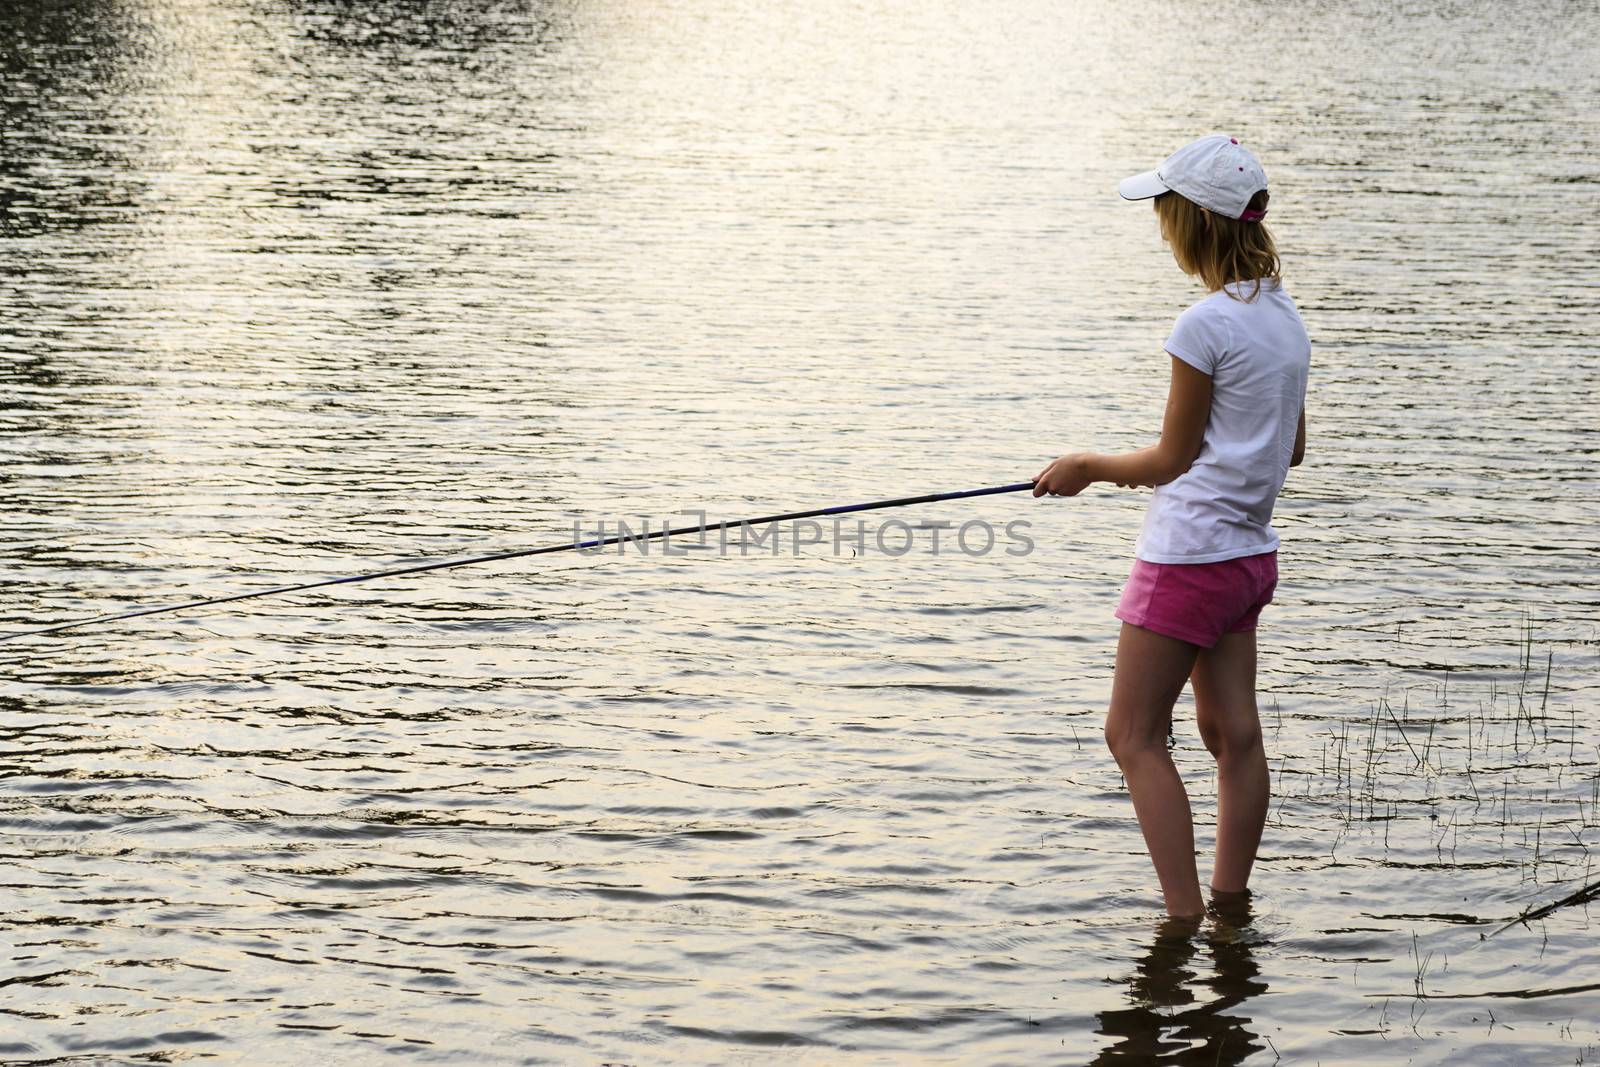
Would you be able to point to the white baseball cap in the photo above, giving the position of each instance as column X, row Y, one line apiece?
column 1216, row 172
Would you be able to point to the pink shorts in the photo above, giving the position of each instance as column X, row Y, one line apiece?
column 1199, row 602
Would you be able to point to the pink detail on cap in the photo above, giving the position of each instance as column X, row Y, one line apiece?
column 1233, row 140
column 1241, row 168
column 1252, row 216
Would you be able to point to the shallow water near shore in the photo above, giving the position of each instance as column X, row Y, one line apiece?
column 294, row 290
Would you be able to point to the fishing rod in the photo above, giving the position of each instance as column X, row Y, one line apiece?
column 599, row 542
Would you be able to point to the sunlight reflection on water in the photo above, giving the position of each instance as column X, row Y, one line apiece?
column 296, row 290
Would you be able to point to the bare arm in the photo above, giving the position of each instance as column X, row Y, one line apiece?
column 1182, row 431
column 1299, row 442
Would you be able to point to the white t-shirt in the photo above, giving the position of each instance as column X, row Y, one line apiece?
column 1258, row 355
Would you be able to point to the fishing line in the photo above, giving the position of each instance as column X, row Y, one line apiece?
column 599, row 542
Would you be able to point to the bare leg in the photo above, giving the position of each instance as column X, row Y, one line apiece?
column 1224, row 683
column 1151, row 670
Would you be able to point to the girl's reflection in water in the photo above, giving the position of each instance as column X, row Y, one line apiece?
column 1163, row 1023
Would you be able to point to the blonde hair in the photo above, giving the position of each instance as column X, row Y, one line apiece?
column 1223, row 251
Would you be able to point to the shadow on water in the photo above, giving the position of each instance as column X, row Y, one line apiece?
column 398, row 30
column 1164, row 1021
column 75, row 158
column 77, row 128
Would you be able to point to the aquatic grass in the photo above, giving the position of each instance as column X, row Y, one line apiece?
column 1510, row 738
column 1487, row 788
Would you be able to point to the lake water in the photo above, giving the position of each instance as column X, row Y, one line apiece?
column 302, row 289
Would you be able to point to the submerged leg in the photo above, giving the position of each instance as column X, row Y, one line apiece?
column 1224, row 683
column 1151, row 670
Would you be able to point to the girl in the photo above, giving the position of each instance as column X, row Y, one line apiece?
column 1206, row 561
